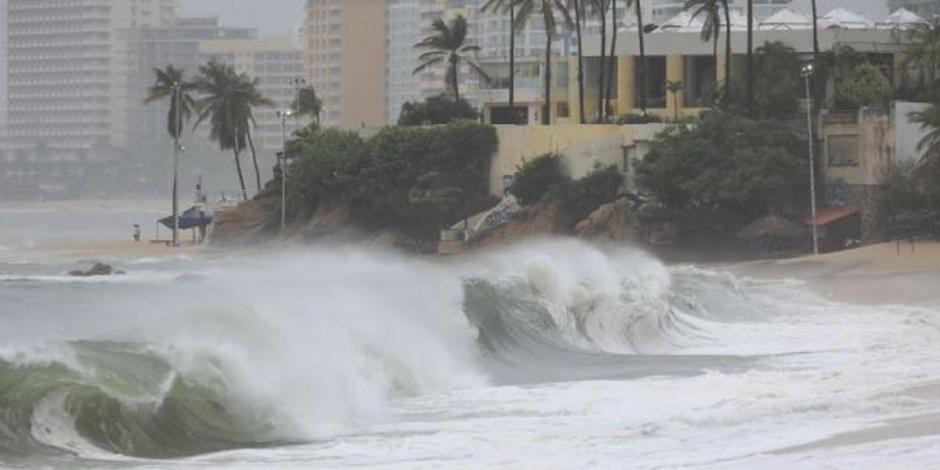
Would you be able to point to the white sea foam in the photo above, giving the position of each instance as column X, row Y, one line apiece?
column 371, row 354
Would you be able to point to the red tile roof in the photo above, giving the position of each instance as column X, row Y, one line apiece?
column 829, row 215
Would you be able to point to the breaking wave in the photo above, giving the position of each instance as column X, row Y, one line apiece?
column 320, row 343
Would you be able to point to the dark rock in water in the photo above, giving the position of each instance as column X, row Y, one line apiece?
column 99, row 269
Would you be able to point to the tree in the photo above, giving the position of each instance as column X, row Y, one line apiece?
column 227, row 106
column 750, row 57
column 815, row 31
column 578, row 6
column 674, row 87
column 599, row 8
column 448, row 44
column 865, row 86
column 638, row 8
column 726, row 164
column 548, row 8
column 929, row 120
column 614, row 22
column 777, row 68
column 535, row 178
column 307, row 103
column 922, row 57
column 436, row 110
column 711, row 29
column 170, row 84
column 508, row 6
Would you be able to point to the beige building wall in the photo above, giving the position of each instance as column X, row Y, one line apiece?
column 582, row 148
column 344, row 54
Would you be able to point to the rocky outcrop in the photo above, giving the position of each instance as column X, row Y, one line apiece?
column 250, row 222
column 329, row 219
column 542, row 219
column 99, row 269
column 611, row 222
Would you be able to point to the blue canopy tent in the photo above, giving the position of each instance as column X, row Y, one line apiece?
column 194, row 217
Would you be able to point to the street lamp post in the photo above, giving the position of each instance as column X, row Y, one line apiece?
column 284, row 115
column 807, row 73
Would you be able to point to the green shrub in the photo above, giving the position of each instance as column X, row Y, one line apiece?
column 580, row 198
column 726, row 164
column 865, row 86
column 536, row 178
column 418, row 179
column 436, row 110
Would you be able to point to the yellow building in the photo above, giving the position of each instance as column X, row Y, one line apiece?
column 344, row 55
column 677, row 57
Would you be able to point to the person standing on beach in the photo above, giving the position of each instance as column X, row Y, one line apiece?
column 137, row 233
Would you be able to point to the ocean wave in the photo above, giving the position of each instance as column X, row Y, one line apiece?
column 319, row 343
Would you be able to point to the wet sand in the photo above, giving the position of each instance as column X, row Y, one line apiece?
column 871, row 275
column 105, row 250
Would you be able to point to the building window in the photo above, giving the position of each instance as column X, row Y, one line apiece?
column 655, row 82
column 842, row 150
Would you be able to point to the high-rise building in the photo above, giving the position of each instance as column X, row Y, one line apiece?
column 278, row 64
column 404, row 31
column 3, row 72
column 345, row 60
column 925, row 8
column 175, row 44
column 64, row 71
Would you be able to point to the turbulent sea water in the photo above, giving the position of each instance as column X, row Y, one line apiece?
column 555, row 354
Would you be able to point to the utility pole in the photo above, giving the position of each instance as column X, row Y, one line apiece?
column 284, row 115
column 807, row 73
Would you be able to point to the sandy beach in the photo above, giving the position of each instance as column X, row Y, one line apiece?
column 107, row 250
column 872, row 275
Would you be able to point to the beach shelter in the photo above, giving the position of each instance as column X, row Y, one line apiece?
column 194, row 217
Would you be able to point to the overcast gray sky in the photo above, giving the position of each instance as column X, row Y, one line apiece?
column 279, row 17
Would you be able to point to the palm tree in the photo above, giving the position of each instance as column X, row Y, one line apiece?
column 307, row 103
column 548, row 9
column 750, row 56
column 449, row 44
column 250, row 97
column 638, row 8
column 222, row 104
column 170, row 84
column 922, row 55
column 578, row 6
column 614, row 22
column 815, row 32
column 929, row 120
column 599, row 8
column 711, row 30
column 674, row 87
column 510, row 7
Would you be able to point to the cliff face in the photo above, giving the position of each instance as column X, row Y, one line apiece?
column 257, row 222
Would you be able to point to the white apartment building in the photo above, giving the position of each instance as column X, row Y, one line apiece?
column 65, row 74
